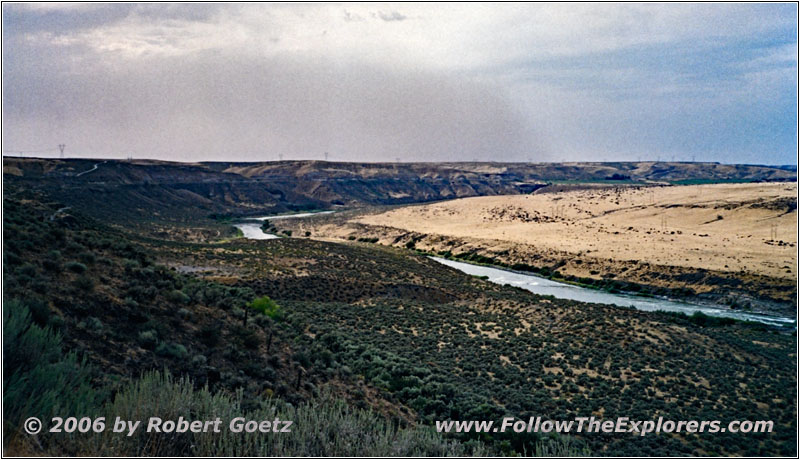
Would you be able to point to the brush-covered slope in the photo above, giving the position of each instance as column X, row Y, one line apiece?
column 178, row 192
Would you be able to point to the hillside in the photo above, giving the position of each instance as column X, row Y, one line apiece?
column 117, row 288
column 386, row 331
column 732, row 244
column 173, row 194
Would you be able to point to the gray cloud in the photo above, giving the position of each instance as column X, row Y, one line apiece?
column 352, row 17
column 391, row 16
column 460, row 81
column 236, row 107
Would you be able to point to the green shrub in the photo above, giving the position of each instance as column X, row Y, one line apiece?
column 148, row 339
column 209, row 335
column 268, row 307
column 52, row 261
column 172, row 350
column 93, row 324
column 130, row 303
column 76, row 267
column 321, row 427
column 38, row 380
column 84, row 283
column 177, row 296
column 39, row 310
column 87, row 257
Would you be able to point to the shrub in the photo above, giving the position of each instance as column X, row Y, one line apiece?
column 209, row 335
column 267, row 306
column 324, row 426
column 39, row 310
column 87, row 257
column 93, row 324
column 84, row 283
column 38, row 380
column 52, row 262
column 148, row 339
column 130, row 303
column 249, row 338
column 76, row 267
column 172, row 350
column 177, row 296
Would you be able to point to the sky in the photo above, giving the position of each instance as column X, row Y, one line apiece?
column 408, row 82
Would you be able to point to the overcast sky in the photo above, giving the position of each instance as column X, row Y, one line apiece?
column 419, row 82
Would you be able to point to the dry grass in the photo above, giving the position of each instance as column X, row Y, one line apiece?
column 724, row 227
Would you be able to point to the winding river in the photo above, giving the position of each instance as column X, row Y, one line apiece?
column 252, row 230
column 545, row 286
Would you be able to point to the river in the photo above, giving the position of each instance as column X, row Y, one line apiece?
column 253, row 230
column 545, row 286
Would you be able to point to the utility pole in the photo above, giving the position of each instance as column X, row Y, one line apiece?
column 61, row 147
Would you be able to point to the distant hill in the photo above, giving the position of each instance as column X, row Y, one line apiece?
column 169, row 191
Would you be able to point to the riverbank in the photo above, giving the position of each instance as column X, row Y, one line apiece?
column 765, row 280
column 544, row 286
column 567, row 289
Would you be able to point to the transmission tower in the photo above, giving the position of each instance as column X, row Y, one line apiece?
column 61, row 148
column 280, row 157
column 326, row 156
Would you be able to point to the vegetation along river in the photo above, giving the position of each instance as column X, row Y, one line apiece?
column 544, row 286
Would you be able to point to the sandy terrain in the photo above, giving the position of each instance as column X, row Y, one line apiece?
column 728, row 227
